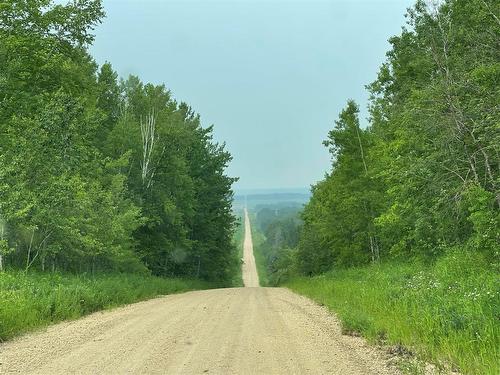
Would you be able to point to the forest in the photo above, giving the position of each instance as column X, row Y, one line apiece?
column 100, row 173
column 423, row 178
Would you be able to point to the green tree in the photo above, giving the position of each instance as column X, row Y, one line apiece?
column 423, row 178
column 97, row 173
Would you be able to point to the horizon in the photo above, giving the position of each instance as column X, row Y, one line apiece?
column 275, row 190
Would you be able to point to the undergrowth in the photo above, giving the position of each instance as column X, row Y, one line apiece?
column 32, row 300
column 446, row 313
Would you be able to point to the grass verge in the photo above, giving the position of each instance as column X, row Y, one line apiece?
column 258, row 240
column 29, row 301
column 238, row 238
column 447, row 313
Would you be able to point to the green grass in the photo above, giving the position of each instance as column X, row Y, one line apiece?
column 238, row 238
column 447, row 313
column 29, row 301
column 258, row 239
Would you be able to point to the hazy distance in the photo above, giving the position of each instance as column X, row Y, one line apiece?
column 271, row 75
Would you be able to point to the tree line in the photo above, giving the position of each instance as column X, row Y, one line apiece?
column 423, row 178
column 99, row 173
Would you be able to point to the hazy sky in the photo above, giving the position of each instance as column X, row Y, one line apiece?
column 271, row 76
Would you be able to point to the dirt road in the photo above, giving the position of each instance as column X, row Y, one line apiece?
column 222, row 331
column 249, row 269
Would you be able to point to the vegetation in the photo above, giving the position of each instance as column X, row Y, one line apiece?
column 275, row 236
column 99, row 174
column 37, row 299
column 423, row 178
column 446, row 313
column 276, row 197
column 259, row 252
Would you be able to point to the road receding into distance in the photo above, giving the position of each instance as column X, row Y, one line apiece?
column 249, row 269
column 249, row 330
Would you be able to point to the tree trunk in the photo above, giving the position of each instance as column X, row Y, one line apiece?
column 373, row 240
column 28, row 263
column 198, row 269
column 148, row 135
column 463, row 129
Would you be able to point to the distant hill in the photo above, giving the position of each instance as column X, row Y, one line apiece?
column 299, row 190
column 286, row 197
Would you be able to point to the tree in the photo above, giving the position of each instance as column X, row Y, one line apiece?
column 338, row 222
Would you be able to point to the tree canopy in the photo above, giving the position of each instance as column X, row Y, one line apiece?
column 97, row 172
column 424, row 177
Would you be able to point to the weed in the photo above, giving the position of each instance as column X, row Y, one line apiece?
column 32, row 300
column 447, row 313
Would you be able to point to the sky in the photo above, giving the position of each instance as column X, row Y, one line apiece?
column 271, row 76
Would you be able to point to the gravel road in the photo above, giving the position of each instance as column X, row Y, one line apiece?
column 249, row 330
column 249, row 270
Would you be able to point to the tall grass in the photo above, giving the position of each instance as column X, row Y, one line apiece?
column 258, row 240
column 447, row 313
column 28, row 301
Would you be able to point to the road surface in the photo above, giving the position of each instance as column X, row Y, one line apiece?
column 249, row 270
column 249, row 330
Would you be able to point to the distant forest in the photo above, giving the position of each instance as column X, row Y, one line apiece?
column 99, row 173
column 256, row 201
